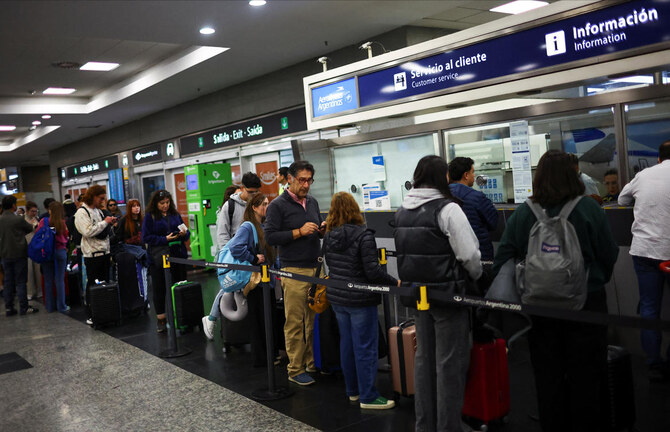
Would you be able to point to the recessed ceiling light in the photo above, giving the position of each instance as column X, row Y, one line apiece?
column 207, row 30
column 46, row 116
column 257, row 3
column 58, row 91
column 7, row 128
column 37, row 123
column 519, row 6
column 99, row 66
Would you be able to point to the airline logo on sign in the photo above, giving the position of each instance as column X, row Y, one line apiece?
column 555, row 43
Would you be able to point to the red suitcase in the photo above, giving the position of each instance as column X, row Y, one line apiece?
column 487, row 394
column 402, row 349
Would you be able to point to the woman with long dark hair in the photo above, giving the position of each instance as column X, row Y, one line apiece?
column 163, row 230
column 243, row 247
column 54, row 270
column 129, row 228
column 569, row 358
column 436, row 247
column 351, row 255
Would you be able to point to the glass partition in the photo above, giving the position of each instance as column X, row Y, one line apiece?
column 647, row 127
column 375, row 173
column 588, row 134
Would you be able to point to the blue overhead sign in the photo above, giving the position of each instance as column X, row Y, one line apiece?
column 334, row 98
column 610, row 30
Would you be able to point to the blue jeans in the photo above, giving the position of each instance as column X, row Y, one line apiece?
column 650, row 280
column 358, row 349
column 55, row 271
column 215, row 312
column 16, row 277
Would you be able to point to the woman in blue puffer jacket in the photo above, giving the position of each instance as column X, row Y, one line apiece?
column 351, row 255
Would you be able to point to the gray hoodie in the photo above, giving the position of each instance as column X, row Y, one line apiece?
column 454, row 224
column 224, row 230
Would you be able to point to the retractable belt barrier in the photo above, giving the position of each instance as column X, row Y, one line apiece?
column 423, row 297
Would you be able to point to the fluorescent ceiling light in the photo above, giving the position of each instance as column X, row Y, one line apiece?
column 7, row 128
column 99, row 66
column 257, row 3
column 207, row 30
column 519, row 6
column 58, row 91
column 635, row 79
column 37, row 123
column 46, row 116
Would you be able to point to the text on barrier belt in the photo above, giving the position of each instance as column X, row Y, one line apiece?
column 455, row 299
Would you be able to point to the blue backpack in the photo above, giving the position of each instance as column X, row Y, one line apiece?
column 229, row 279
column 41, row 247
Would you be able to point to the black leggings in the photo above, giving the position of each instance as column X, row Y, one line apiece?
column 178, row 272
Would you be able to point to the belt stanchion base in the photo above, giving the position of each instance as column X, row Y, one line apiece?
column 173, row 349
column 272, row 392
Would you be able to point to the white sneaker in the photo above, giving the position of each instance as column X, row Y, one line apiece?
column 89, row 321
column 208, row 327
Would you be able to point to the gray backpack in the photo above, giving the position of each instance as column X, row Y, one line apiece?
column 553, row 272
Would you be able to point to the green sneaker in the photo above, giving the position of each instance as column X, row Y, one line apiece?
column 381, row 403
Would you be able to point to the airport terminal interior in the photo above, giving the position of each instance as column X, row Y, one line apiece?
column 147, row 100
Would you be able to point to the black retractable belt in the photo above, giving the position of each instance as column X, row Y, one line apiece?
column 424, row 296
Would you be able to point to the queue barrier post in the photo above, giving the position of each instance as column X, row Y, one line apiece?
column 272, row 392
column 422, row 304
column 173, row 349
column 386, row 302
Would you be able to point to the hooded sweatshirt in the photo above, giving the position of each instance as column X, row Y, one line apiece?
column 351, row 255
column 455, row 225
column 224, row 229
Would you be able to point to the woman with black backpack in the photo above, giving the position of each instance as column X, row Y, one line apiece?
column 436, row 247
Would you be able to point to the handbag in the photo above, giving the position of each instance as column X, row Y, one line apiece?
column 232, row 280
column 316, row 297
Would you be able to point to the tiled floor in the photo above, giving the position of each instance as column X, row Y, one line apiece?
column 82, row 377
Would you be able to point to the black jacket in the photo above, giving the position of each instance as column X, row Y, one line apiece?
column 351, row 255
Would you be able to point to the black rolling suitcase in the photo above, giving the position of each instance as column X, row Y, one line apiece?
column 132, row 283
column 326, row 342
column 235, row 333
column 105, row 304
column 187, row 305
column 619, row 397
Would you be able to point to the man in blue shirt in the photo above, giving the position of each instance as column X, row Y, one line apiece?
column 481, row 213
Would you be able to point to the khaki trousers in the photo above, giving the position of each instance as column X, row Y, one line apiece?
column 299, row 327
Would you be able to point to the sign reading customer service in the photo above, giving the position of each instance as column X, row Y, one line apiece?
column 614, row 29
column 334, row 98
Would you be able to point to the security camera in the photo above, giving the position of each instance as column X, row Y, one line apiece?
column 324, row 62
column 366, row 45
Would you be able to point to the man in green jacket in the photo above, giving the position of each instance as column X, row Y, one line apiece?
column 14, row 253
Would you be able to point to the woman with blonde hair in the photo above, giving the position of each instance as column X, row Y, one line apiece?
column 54, row 270
column 351, row 254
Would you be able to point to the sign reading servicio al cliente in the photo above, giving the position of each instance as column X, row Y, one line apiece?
column 615, row 29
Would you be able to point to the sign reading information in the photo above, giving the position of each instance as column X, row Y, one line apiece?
column 615, row 29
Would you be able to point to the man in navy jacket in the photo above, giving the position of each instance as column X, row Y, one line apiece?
column 293, row 223
column 481, row 213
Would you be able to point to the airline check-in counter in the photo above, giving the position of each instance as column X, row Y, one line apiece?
column 590, row 80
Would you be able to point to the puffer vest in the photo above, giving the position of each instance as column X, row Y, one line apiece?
column 423, row 250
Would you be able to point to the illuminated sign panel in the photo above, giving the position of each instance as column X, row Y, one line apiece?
column 262, row 128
